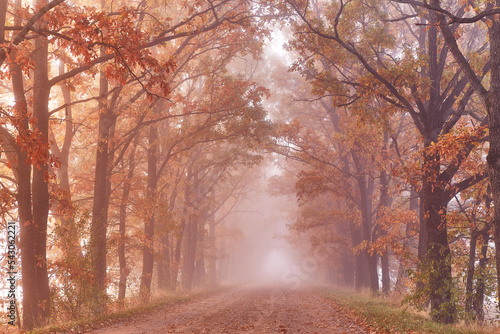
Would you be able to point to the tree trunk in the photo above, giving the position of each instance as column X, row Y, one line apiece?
column 470, row 274
column 122, row 221
column 148, row 249
column 422, row 245
column 177, row 257
column 386, row 279
column 348, row 269
column 69, row 239
column 384, row 203
column 22, row 171
column 98, row 244
column 164, row 264
column 27, row 233
column 478, row 300
column 28, row 258
column 199, row 277
column 360, row 261
column 189, row 253
column 190, row 230
column 40, row 187
column 122, row 260
column 212, row 254
column 493, row 108
column 437, row 263
column 365, row 190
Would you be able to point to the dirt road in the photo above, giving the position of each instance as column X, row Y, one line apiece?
column 245, row 310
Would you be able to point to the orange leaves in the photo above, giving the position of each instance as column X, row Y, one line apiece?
column 20, row 55
column 450, row 145
column 311, row 184
column 87, row 35
column 449, row 150
column 78, row 27
column 396, row 225
column 31, row 142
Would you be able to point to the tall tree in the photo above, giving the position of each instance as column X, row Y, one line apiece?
column 490, row 98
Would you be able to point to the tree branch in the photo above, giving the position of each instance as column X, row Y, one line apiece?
column 29, row 26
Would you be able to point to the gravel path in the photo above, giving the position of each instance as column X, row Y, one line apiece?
column 245, row 310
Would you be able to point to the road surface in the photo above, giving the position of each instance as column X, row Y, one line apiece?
column 245, row 310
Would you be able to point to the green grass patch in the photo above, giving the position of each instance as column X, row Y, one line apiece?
column 109, row 318
column 385, row 316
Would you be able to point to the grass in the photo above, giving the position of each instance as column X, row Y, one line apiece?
column 81, row 325
column 385, row 316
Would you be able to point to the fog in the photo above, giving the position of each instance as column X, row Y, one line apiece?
column 259, row 252
column 257, row 245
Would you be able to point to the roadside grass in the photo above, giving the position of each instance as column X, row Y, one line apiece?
column 115, row 316
column 385, row 316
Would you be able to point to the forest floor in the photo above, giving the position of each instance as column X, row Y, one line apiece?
column 246, row 310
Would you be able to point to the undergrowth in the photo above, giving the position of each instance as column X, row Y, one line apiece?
column 385, row 316
column 115, row 314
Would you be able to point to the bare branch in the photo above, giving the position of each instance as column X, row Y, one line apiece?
column 452, row 18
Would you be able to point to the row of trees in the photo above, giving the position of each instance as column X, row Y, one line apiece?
column 392, row 141
column 128, row 133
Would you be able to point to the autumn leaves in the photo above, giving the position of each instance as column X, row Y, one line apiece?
column 393, row 58
column 152, row 69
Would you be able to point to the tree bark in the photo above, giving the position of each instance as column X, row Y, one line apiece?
column 22, row 172
column 386, row 279
column 69, row 239
column 437, row 262
column 493, row 108
column 366, row 190
column 422, row 242
column 148, row 250
column 212, row 254
column 385, row 202
column 191, row 239
column 478, row 298
column 98, row 239
column 177, row 256
column 200, row 273
column 164, row 264
column 40, row 187
column 190, row 235
column 28, row 257
column 360, row 260
column 470, row 274
column 122, row 221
